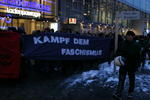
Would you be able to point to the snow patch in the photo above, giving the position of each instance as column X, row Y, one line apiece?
column 106, row 77
column 89, row 75
column 103, row 75
column 147, row 65
column 143, row 83
column 112, row 79
column 145, row 90
column 89, row 82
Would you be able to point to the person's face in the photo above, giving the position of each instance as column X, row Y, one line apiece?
column 129, row 37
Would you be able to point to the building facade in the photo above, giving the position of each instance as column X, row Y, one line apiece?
column 105, row 12
column 70, row 10
column 34, row 14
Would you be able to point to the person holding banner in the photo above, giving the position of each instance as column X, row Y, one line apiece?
column 130, row 51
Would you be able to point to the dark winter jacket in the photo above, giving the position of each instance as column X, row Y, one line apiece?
column 148, row 46
column 131, row 52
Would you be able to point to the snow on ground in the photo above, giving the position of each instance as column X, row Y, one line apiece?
column 107, row 77
column 147, row 65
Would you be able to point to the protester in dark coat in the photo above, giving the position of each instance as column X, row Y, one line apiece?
column 130, row 50
column 12, row 29
column 144, row 46
column 21, row 29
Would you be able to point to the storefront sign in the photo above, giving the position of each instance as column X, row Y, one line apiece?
column 21, row 12
column 28, row 5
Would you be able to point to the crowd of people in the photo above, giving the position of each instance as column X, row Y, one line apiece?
column 134, row 49
column 143, row 41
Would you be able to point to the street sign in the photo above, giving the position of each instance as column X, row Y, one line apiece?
column 128, row 15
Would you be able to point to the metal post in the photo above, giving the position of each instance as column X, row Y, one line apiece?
column 116, row 34
column 116, row 30
column 98, row 19
column 57, row 12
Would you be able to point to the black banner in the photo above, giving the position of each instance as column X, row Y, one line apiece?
column 62, row 46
